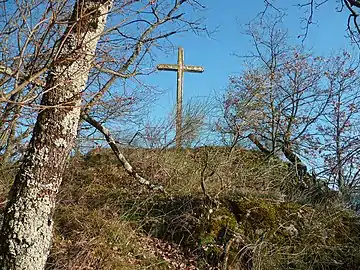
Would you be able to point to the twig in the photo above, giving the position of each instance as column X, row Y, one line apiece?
column 227, row 247
column 204, row 177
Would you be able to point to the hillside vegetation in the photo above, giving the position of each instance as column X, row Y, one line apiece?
column 250, row 214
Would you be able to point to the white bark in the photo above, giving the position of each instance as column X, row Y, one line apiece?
column 121, row 158
column 27, row 227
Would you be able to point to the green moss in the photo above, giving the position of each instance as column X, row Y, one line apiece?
column 221, row 220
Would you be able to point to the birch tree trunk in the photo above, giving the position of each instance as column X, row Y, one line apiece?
column 27, row 227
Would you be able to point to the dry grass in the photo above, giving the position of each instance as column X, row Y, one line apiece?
column 256, row 218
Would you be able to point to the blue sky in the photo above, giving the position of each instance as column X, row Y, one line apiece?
column 216, row 54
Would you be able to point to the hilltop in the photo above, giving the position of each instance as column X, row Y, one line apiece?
column 221, row 210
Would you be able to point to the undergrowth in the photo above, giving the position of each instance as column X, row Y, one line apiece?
column 253, row 214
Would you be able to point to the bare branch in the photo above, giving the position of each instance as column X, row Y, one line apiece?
column 127, row 166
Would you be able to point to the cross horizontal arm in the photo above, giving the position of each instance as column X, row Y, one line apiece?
column 197, row 69
column 168, row 67
column 172, row 67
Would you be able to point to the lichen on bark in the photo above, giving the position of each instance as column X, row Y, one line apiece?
column 27, row 226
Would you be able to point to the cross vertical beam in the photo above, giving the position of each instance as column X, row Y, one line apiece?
column 179, row 98
column 180, row 68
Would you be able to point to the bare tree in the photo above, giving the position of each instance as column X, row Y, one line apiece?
column 27, row 228
column 310, row 7
column 338, row 134
column 126, row 51
column 49, row 68
column 277, row 100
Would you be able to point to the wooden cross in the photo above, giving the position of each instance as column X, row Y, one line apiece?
column 180, row 68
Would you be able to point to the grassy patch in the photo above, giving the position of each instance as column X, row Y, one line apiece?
column 257, row 217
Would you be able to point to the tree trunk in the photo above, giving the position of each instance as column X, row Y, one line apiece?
column 27, row 227
column 301, row 169
column 259, row 145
